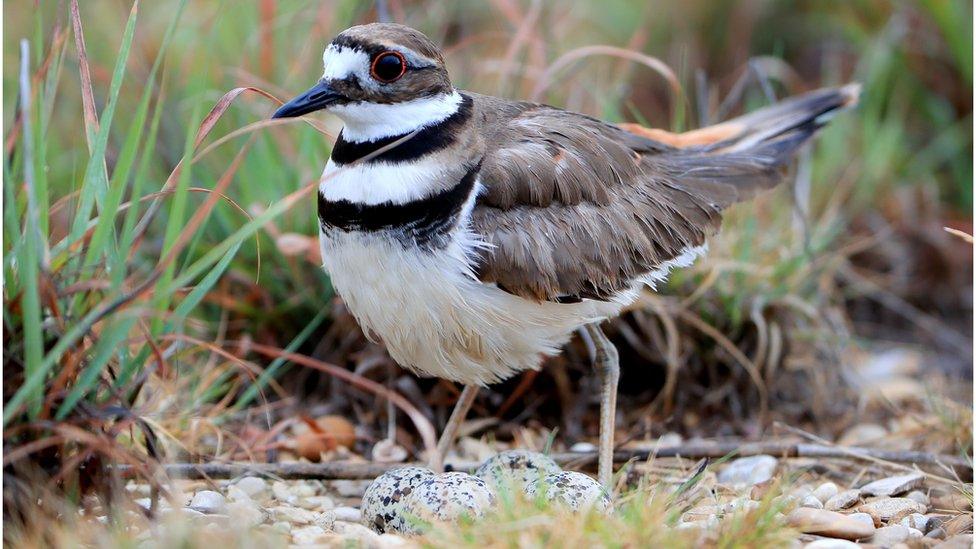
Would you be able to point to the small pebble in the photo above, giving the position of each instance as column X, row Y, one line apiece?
column 919, row 496
column 843, row 500
column 282, row 493
column 308, row 535
column 236, row 494
column 887, row 536
column 917, row 521
column 352, row 531
column 348, row 514
column 889, row 508
column 281, row 526
column 255, row 487
column 317, row 503
column 893, row 486
column 811, row 501
column 295, row 515
column 825, row 491
column 245, row 513
column 669, row 439
column 748, row 470
column 936, row 533
column 865, row 518
column 208, row 501
column 829, row 524
column 583, row 447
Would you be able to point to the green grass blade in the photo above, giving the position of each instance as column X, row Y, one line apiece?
column 33, row 244
column 174, row 223
column 95, row 183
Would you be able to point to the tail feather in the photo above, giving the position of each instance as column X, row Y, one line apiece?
column 733, row 161
column 792, row 120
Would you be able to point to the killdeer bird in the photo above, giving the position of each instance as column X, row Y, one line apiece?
column 473, row 235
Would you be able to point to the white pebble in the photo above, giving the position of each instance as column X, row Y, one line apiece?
column 252, row 486
column 862, row 517
column 748, row 471
column 917, row 521
column 307, row 535
column 582, row 447
column 208, row 501
column 348, row 514
column 825, row 491
column 812, row 502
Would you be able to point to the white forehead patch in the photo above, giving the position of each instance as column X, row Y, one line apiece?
column 343, row 62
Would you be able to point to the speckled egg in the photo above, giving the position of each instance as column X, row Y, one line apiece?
column 576, row 491
column 447, row 497
column 383, row 503
column 516, row 469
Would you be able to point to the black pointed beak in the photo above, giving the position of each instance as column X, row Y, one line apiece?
column 317, row 98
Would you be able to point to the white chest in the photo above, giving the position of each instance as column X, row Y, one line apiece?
column 436, row 318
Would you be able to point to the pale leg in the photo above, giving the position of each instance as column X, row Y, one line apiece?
column 606, row 361
column 453, row 424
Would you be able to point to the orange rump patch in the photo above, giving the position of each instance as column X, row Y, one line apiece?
column 703, row 136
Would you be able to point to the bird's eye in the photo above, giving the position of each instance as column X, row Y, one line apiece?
column 388, row 66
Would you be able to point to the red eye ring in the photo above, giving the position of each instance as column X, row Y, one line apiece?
column 383, row 73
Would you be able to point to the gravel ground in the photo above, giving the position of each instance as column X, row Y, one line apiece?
column 893, row 510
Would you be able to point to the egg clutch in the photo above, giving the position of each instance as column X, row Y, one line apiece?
column 408, row 500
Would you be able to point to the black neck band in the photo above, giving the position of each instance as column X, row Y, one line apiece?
column 429, row 139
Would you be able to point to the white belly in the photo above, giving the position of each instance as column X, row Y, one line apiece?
column 437, row 319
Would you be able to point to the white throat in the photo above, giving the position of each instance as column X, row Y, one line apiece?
column 371, row 121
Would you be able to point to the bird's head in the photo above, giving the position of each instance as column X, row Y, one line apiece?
column 381, row 79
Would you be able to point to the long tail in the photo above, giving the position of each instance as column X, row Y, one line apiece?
column 745, row 155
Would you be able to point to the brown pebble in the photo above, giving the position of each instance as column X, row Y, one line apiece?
column 829, row 523
column 889, row 508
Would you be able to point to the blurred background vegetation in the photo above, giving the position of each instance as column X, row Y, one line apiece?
column 144, row 313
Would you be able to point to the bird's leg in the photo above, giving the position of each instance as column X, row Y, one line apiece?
column 453, row 424
column 606, row 361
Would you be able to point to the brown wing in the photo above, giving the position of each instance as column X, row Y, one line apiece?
column 577, row 208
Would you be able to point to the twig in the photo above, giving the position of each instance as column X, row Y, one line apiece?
column 366, row 470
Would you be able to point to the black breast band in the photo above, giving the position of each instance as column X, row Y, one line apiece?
column 423, row 222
